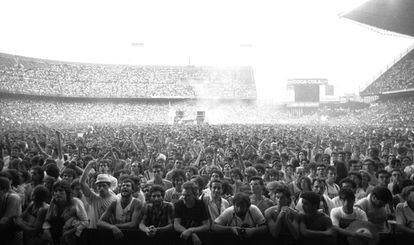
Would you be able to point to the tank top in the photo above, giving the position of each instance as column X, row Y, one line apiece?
column 123, row 215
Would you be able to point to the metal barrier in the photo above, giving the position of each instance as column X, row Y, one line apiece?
column 134, row 237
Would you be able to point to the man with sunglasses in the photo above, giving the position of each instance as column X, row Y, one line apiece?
column 100, row 201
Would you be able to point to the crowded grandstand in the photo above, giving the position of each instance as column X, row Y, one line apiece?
column 168, row 154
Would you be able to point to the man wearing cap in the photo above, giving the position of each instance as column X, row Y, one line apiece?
column 104, row 169
column 98, row 202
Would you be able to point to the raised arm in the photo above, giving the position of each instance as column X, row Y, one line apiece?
column 144, row 146
column 42, row 151
column 133, row 138
column 85, row 187
column 200, row 153
column 1, row 148
column 260, row 148
column 59, row 141
column 8, row 145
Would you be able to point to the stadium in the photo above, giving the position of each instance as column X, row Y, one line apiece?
column 230, row 123
column 91, row 93
column 50, row 92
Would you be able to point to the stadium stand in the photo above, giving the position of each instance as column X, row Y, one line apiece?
column 21, row 75
column 399, row 77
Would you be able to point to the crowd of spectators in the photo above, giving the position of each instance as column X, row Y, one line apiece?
column 53, row 111
column 394, row 112
column 72, row 166
column 38, row 77
column 399, row 77
column 244, row 180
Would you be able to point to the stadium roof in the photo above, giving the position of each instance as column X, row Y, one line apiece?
column 391, row 15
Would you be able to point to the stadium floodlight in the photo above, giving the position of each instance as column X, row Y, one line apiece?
column 137, row 44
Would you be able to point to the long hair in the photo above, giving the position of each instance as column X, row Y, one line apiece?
column 66, row 187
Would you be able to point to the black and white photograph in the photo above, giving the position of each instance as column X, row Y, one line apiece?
column 190, row 122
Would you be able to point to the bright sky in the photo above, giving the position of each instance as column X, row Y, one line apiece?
column 290, row 39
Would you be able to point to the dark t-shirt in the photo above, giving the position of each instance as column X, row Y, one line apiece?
column 341, row 170
column 317, row 222
column 190, row 217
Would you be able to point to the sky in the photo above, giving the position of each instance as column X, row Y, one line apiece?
column 279, row 39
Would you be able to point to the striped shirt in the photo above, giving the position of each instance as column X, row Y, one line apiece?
column 97, row 206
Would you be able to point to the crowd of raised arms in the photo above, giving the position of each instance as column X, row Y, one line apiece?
column 246, row 180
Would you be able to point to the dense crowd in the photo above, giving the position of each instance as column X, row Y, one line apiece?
column 68, row 166
column 245, row 180
column 393, row 112
column 47, row 78
column 399, row 77
column 53, row 111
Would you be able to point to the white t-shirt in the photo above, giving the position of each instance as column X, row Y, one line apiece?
column 332, row 190
column 253, row 218
column 342, row 219
column 337, row 202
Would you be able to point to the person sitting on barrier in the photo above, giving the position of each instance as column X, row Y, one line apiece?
column 405, row 211
column 242, row 219
column 190, row 214
column 158, row 216
column 214, row 201
column 282, row 218
column 314, row 224
column 343, row 216
column 122, row 213
column 376, row 206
